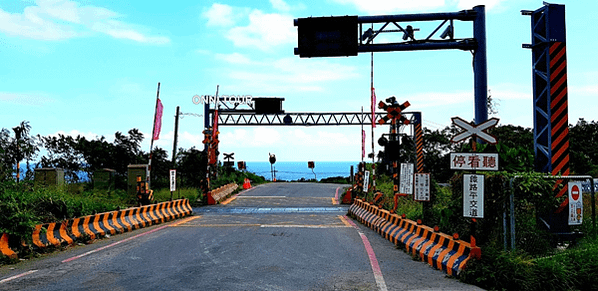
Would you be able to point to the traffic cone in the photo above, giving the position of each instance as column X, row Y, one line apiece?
column 246, row 184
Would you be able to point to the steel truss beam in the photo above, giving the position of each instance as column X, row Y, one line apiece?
column 299, row 119
column 411, row 42
column 335, row 38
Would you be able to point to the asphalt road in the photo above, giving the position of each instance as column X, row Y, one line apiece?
column 279, row 236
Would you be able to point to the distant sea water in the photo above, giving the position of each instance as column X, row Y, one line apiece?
column 291, row 171
column 287, row 171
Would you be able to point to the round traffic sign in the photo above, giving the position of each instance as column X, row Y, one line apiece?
column 575, row 192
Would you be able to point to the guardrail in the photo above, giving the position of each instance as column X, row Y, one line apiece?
column 102, row 224
column 439, row 250
column 221, row 193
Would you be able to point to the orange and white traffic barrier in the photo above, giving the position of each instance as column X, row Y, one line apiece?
column 102, row 224
column 440, row 250
column 4, row 247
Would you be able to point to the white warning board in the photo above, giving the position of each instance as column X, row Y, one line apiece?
column 575, row 203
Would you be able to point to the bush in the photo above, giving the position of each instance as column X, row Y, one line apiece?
column 571, row 269
column 23, row 205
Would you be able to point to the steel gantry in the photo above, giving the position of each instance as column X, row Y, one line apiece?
column 235, row 118
column 345, row 36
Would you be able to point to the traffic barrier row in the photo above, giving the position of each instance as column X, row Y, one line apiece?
column 102, row 224
column 5, row 249
column 221, row 192
column 440, row 250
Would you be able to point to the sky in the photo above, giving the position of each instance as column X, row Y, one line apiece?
column 91, row 68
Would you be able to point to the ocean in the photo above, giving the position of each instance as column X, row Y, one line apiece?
column 291, row 171
column 287, row 171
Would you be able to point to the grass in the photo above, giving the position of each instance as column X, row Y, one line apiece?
column 162, row 195
column 574, row 268
column 536, row 265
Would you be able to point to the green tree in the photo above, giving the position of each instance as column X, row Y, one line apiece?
column 437, row 149
column 583, row 147
column 13, row 150
column 160, row 169
column 191, row 167
column 62, row 152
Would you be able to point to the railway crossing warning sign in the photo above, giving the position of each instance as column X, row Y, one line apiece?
column 575, row 203
column 471, row 130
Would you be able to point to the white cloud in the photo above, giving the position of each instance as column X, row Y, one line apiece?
column 468, row 4
column 398, row 6
column 256, row 138
column 392, row 6
column 280, row 5
column 35, row 99
column 286, row 74
column 74, row 133
column 585, row 90
column 64, row 19
column 220, row 15
column 263, row 31
column 30, row 25
column 235, row 58
column 118, row 29
column 188, row 140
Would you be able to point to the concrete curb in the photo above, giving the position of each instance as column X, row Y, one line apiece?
column 102, row 224
column 221, row 193
column 439, row 250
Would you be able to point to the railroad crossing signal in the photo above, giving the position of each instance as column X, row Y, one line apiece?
column 393, row 110
column 229, row 157
column 472, row 130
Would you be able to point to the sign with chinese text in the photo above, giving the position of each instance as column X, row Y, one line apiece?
column 406, row 182
column 474, row 161
column 366, row 181
column 172, row 180
column 575, row 203
column 422, row 186
column 473, row 196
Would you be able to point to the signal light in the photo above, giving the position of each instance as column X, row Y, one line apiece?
column 408, row 33
column 382, row 141
column 448, row 32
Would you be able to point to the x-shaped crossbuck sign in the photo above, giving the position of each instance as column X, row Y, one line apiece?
column 474, row 130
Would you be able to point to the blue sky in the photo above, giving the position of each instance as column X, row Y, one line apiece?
column 92, row 67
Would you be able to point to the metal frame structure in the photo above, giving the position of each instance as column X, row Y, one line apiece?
column 550, row 98
column 236, row 118
column 549, row 69
column 345, row 46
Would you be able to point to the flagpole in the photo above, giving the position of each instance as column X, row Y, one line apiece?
column 149, row 164
column 373, row 117
column 362, row 137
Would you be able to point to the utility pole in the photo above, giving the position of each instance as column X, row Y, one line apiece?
column 176, row 134
column 18, row 131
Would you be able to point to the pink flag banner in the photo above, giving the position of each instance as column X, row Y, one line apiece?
column 158, row 120
column 373, row 107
